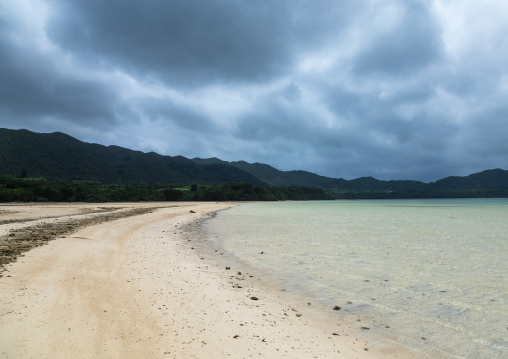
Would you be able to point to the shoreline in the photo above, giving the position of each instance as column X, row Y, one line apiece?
column 138, row 287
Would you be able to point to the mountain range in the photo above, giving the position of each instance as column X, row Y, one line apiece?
column 25, row 153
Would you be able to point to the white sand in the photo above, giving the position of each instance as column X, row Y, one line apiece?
column 134, row 288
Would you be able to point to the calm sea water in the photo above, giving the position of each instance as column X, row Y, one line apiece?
column 431, row 275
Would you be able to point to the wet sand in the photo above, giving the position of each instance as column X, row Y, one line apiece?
column 136, row 286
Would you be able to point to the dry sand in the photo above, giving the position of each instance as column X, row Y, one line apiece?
column 137, row 287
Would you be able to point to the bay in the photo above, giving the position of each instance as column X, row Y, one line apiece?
column 430, row 275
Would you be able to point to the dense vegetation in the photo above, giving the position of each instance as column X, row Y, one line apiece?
column 486, row 184
column 490, row 183
column 57, row 155
column 92, row 172
column 44, row 190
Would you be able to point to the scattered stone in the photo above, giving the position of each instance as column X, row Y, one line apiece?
column 365, row 328
column 336, row 307
column 228, row 267
column 191, row 211
column 236, row 336
column 262, row 252
column 239, row 273
column 254, row 298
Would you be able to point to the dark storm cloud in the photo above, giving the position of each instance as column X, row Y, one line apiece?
column 34, row 86
column 182, row 116
column 37, row 89
column 412, row 42
column 181, row 41
column 194, row 41
column 392, row 89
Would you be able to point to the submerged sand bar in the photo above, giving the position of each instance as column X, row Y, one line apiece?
column 136, row 287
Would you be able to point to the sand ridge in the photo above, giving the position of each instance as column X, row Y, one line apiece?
column 31, row 226
column 136, row 287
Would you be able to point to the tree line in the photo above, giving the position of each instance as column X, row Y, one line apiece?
column 55, row 190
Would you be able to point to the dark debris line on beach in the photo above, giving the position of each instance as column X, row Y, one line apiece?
column 85, row 211
column 22, row 240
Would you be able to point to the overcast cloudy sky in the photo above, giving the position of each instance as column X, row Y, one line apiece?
column 395, row 89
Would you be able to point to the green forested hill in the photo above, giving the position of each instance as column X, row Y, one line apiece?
column 492, row 179
column 489, row 183
column 58, row 156
column 274, row 177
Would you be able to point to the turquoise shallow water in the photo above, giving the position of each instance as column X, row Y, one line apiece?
column 431, row 275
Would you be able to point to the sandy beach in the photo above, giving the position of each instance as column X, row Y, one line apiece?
column 132, row 281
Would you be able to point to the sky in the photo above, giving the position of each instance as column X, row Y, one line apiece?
column 394, row 89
